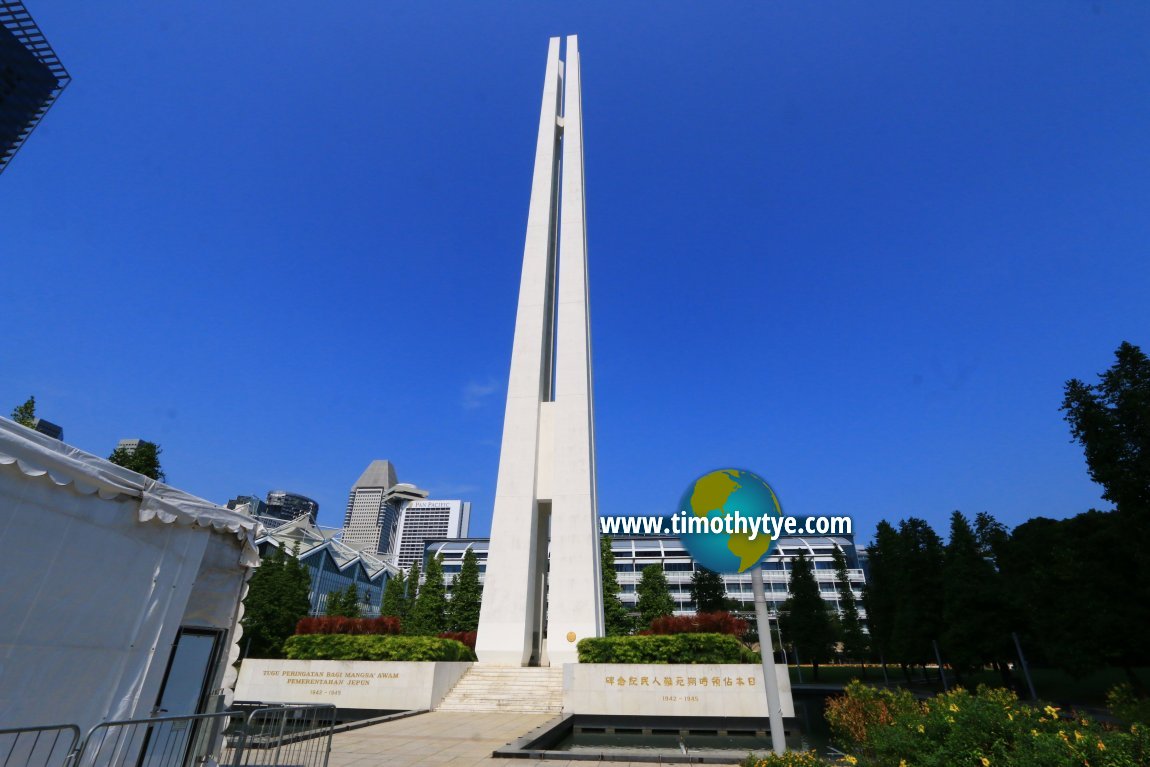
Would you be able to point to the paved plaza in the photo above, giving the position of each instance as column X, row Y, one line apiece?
column 441, row 738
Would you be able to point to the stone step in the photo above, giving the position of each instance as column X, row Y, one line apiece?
column 503, row 688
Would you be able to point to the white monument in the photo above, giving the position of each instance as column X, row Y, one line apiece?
column 542, row 591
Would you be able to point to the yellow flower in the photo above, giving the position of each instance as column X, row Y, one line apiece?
column 1078, row 736
column 985, row 762
column 850, row 759
column 921, row 728
column 950, row 720
column 1101, row 746
column 902, row 763
column 1051, row 711
column 1034, row 733
column 953, row 707
column 1010, row 716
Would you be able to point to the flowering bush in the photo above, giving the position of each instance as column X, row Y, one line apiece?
column 335, row 624
column 1125, row 705
column 703, row 623
column 990, row 728
column 787, row 759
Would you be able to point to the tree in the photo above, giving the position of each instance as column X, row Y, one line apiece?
column 804, row 619
column 851, row 634
column 616, row 620
column 880, row 594
column 25, row 414
column 708, row 591
column 344, row 602
column 654, row 595
column 466, row 595
column 918, row 615
column 278, row 596
column 395, row 597
column 143, row 459
column 975, row 616
column 1111, row 420
column 429, row 612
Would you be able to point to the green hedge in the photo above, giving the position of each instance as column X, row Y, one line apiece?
column 375, row 647
column 670, row 648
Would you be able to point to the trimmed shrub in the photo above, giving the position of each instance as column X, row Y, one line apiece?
column 673, row 648
column 466, row 637
column 703, row 623
column 335, row 624
column 375, row 647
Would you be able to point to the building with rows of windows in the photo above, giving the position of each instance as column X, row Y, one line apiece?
column 633, row 553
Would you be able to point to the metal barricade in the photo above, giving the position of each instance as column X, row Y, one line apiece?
column 47, row 746
column 163, row 741
column 283, row 736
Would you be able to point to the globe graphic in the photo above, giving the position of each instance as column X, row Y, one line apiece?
column 719, row 494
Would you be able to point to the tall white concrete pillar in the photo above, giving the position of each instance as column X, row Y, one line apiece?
column 542, row 587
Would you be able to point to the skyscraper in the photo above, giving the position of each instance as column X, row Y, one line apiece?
column 422, row 521
column 288, row 506
column 31, row 77
column 373, row 507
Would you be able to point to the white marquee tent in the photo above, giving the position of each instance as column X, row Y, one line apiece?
column 121, row 595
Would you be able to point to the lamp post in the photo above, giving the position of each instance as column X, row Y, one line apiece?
column 774, row 703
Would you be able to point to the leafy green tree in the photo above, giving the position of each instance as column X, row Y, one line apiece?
column 880, row 594
column 413, row 577
column 804, row 619
column 344, row 603
column 144, row 459
column 25, row 414
column 1111, row 420
column 975, row 614
column 466, row 595
column 654, row 595
column 617, row 621
column 708, row 591
column 429, row 612
column 850, row 629
column 918, row 617
column 278, row 596
column 395, row 597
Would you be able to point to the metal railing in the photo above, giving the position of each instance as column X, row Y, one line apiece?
column 274, row 736
column 49, row 746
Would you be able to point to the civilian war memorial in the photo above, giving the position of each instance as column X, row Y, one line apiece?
column 158, row 634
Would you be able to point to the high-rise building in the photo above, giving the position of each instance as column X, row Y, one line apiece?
column 49, row 428
column 129, row 446
column 422, row 521
column 288, row 506
column 373, row 507
column 248, row 504
column 31, row 77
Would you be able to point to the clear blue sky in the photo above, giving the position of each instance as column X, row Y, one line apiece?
column 855, row 247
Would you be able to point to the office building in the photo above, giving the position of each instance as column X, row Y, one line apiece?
column 422, row 521
column 288, row 506
column 248, row 504
column 31, row 77
column 634, row 553
column 371, row 523
column 48, row 428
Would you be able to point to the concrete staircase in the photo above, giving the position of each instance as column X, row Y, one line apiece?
column 507, row 688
